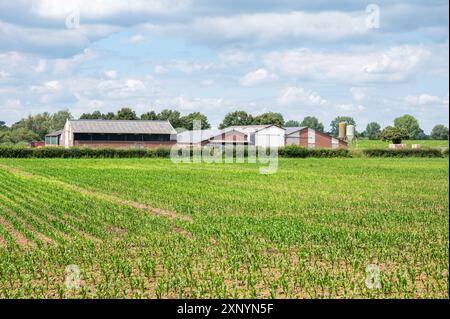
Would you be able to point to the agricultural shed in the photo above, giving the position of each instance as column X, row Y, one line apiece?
column 266, row 136
column 312, row 138
column 212, row 137
column 116, row 134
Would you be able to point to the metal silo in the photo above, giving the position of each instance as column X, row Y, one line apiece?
column 342, row 130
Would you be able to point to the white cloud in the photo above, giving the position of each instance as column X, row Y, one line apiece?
column 269, row 27
column 159, row 69
column 390, row 65
column 61, row 42
column 426, row 99
column 358, row 94
column 257, row 77
column 234, row 57
column 137, row 38
column 104, row 9
column 207, row 82
column 111, row 74
column 350, row 107
column 300, row 96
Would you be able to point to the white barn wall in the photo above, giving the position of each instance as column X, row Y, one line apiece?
column 272, row 136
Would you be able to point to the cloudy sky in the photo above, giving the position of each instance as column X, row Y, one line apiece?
column 297, row 57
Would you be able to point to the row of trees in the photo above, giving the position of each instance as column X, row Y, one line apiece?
column 35, row 127
column 406, row 127
column 173, row 116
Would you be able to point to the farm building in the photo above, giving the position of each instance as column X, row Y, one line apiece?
column 53, row 139
column 212, row 137
column 263, row 135
column 115, row 134
column 311, row 138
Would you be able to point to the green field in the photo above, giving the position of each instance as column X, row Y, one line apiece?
column 362, row 144
column 148, row 228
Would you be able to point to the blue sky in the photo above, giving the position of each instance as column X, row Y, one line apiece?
column 300, row 58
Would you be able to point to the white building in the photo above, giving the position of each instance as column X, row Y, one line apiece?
column 267, row 136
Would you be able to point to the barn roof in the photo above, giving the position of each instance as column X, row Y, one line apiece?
column 290, row 130
column 56, row 133
column 252, row 128
column 198, row 136
column 122, row 127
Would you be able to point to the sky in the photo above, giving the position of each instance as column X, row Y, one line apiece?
column 373, row 61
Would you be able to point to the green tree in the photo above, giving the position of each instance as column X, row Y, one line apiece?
column 149, row 116
column 373, row 129
column 269, row 118
column 96, row 115
column 394, row 134
column 108, row 116
column 126, row 113
column 439, row 132
column 39, row 124
column 292, row 123
column 312, row 122
column 335, row 124
column 188, row 121
column 236, row 118
column 59, row 119
column 410, row 124
column 3, row 126
column 174, row 117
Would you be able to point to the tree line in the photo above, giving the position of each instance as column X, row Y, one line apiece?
column 35, row 127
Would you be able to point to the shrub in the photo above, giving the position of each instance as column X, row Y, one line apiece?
column 425, row 152
column 293, row 151
column 75, row 152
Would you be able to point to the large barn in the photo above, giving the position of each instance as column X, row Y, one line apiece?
column 225, row 137
column 311, row 138
column 114, row 134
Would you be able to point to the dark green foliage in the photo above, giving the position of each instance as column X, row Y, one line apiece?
column 58, row 152
column 126, row 114
column 439, row 132
column 312, row 122
column 425, row 152
column 237, row 118
column 394, row 134
column 269, row 118
column 373, row 130
column 410, row 124
column 292, row 123
column 293, row 151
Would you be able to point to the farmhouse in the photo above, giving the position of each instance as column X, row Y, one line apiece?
column 224, row 137
column 311, row 138
column 115, row 134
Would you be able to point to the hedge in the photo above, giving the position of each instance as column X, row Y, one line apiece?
column 425, row 152
column 58, row 152
column 293, row 151
column 287, row 151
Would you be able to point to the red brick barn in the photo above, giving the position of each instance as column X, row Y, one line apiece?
column 226, row 137
column 311, row 138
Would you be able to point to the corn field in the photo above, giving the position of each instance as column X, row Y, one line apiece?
column 149, row 228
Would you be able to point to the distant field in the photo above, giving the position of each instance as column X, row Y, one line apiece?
column 380, row 144
column 148, row 228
